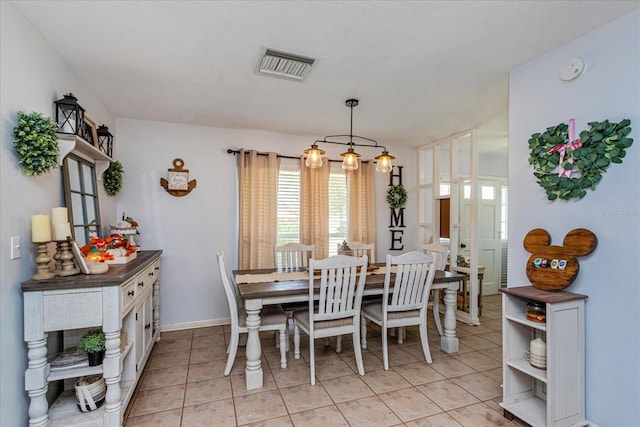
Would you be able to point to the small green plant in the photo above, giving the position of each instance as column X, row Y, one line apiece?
column 92, row 342
column 112, row 178
column 36, row 143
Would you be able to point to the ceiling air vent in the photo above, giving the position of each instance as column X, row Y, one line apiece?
column 284, row 65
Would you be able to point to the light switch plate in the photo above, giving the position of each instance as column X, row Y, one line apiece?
column 15, row 247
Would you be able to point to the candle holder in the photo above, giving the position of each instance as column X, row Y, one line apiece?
column 57, row 259
column 42, row 263
column 67, row 267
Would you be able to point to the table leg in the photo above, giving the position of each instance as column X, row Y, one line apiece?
column 36, row 383
column 448, row 341
column 253, row 370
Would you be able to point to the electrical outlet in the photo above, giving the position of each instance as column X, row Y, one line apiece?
column 15, row 247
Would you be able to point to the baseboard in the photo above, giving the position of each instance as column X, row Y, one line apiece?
column 194, row 325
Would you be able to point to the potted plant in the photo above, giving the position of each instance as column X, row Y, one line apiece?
column 36, row 143
column 93, row 342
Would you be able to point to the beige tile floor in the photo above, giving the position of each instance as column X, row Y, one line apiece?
column 183, row 384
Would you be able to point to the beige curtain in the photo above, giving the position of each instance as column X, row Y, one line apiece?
column 362, row 203
column 314, row 207
column 258, row 184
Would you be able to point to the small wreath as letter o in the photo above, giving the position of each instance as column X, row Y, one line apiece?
column 397, row 196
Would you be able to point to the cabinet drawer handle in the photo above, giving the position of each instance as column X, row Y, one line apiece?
column 140, row 284
column 157, row 268
column 151, row 273
column 147, row 326
column 130, row 293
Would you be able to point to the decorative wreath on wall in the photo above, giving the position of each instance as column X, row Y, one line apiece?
column 112, row 178
column 566, row 166
column 36, row 143
column 397, row 196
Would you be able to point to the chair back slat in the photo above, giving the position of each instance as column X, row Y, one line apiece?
column 293, row 255
column 341, row 286
column 414, row 277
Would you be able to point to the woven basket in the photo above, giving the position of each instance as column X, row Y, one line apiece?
column 90, row 392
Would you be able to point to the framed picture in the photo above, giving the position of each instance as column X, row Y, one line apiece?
column 80, row 260
column 90, row 132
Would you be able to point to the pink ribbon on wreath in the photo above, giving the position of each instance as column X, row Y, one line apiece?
column 563, row 148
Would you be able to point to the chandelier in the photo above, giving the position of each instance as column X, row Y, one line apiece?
column 349, row 157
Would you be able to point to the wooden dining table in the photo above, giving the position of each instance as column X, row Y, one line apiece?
column 260, row 287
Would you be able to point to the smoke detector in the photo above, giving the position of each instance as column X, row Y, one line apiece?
column 284, row 65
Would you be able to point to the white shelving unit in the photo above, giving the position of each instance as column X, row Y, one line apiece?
column 554, row 397
column 126, row 298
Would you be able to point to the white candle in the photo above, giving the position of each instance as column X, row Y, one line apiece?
column 40, row 229
column 61, row 231
column 59, row 216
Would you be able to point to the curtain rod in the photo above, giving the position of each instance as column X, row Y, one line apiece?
column 282, row 156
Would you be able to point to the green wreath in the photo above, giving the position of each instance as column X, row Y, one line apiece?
column 565, row 169
column 397, row 196
column 36, row 143
column 112, row 178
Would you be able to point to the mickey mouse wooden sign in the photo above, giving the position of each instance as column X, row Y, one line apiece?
column 552, row 268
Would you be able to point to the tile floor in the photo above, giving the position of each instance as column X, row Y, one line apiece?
column 183, row 384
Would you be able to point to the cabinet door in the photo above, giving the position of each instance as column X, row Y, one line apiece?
column 145, row 330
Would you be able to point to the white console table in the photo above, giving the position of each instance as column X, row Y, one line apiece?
column 126, row 298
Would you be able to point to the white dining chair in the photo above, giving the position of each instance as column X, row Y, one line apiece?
column 404, row 302
column 273, row 317
column 440, row 253
column 337, row 311
column 359, row 249
column 293, row 255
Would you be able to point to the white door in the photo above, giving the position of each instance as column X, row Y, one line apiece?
column 489, row 254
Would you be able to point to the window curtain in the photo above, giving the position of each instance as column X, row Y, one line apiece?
column 258, row 208
column 314, row 207
column 362, row 203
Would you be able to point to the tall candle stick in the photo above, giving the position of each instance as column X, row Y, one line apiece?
column 40, row 229
column 59, row 216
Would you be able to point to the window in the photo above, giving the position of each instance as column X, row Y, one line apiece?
column 289, row 205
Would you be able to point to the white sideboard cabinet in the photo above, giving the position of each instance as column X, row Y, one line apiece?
column 125, row 299
column 554, row 397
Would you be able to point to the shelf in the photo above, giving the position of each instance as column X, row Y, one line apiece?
column 525, row 367
column 532, row 411
column 521, row 318
column 68, row 143
column 63, row 374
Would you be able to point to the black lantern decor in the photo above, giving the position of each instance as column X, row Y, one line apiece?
column 69, row 115
column 105, row 140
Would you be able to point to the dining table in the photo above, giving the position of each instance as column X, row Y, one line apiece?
column 260, row 287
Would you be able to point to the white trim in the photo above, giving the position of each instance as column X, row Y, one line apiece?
column 194, row 325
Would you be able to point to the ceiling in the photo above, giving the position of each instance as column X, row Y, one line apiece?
column 422, row 70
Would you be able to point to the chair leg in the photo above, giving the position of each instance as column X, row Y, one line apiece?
column 233, row 349
column 276, row 335
column 339, row 344
column 312, row 360
column 401, row 335
column 363, row 332
column 436, row 310
column 358, row 351
column 296, row 341
column 385, row 350
column 283, row 347
column 425, row 340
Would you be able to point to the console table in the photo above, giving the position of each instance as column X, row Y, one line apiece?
column 125, row 299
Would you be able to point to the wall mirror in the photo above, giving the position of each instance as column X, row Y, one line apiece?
column 81, row 195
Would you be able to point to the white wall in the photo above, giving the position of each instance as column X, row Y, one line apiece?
column 192, row 228
column 32, row 77
column 609, row 89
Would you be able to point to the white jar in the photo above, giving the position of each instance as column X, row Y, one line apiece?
column 538, row 352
